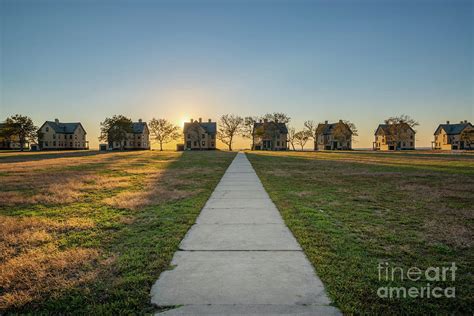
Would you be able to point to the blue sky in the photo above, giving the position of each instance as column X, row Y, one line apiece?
column 320, row 60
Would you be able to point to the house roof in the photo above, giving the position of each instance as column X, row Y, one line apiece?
column 63, row 128
column 209, row 127
column 452, row 129
column 328, row 129
column 386, row 128
column 138, row 127
column 281, row 126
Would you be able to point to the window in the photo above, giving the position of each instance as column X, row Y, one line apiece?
column 46, row 144
column 47, row 129
column 54, row 136
column 278, row 143
column 54, row 143
column 212, row 144
column 70, row 137
column 138, row 144
column 203, row 143
column 75, row 137
column 203, row 135
column 195, row 143
column 70, row 144
column 411, row 144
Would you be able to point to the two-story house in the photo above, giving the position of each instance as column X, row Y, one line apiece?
column 199, row 135
column 333, row 136
column 454, row 136
column 394, row 136
column 138, row 138
column 55, row 135
column 270, row 135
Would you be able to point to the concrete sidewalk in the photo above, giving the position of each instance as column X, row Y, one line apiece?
column 240, row 258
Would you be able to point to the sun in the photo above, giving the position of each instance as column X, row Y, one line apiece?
column 182, row 121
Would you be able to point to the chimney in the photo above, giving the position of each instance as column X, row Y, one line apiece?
column 200, row 120
column 447, row 122
column 340, row 121
column 56, row 121
column 265, row 121
column 209, row 120
column 325, row 122
column 192, row 120
column 465, row 121
column 139, row 120
column 461, row 122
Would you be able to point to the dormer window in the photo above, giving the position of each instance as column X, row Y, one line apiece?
column 47, row 128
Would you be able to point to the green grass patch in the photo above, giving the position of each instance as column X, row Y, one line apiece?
column 353, row 211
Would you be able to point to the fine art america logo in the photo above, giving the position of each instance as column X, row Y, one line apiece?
column 429, row 281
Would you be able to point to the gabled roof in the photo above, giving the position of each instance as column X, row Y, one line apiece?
column 452, row 129
column 209, row 127
column 139, row 127
column 386, row 128
column 281, row 126
column 328, row 129
column 63, row 128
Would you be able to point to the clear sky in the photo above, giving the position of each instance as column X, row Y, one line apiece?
column 84, row 60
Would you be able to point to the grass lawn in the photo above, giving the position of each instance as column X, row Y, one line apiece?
column 89, row 232
column 351, row 211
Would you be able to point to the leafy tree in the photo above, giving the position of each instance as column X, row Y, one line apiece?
column 115, row 129
column 301, row 138
column 229, row 126
column 163, row 131
column 277, row 117
column 291, row 137
column 22, row 127
column 248, row 128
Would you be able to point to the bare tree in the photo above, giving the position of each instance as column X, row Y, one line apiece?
column 353, row 128
column 163, row 131
column 277, row 117
column 291, row 137
column 195, row 132
column 310, row 127
column 467, row 136
column 402, row 119
column 399, row 127
column 229, row 126
column 301, row 138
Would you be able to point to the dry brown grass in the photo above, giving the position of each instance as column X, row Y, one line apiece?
column 31, row 264
column 50, row 189
column 20, row 234
column 43, row 271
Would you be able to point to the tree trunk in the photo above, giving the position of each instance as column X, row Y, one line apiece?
column 230, row 144
column 161, row 146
